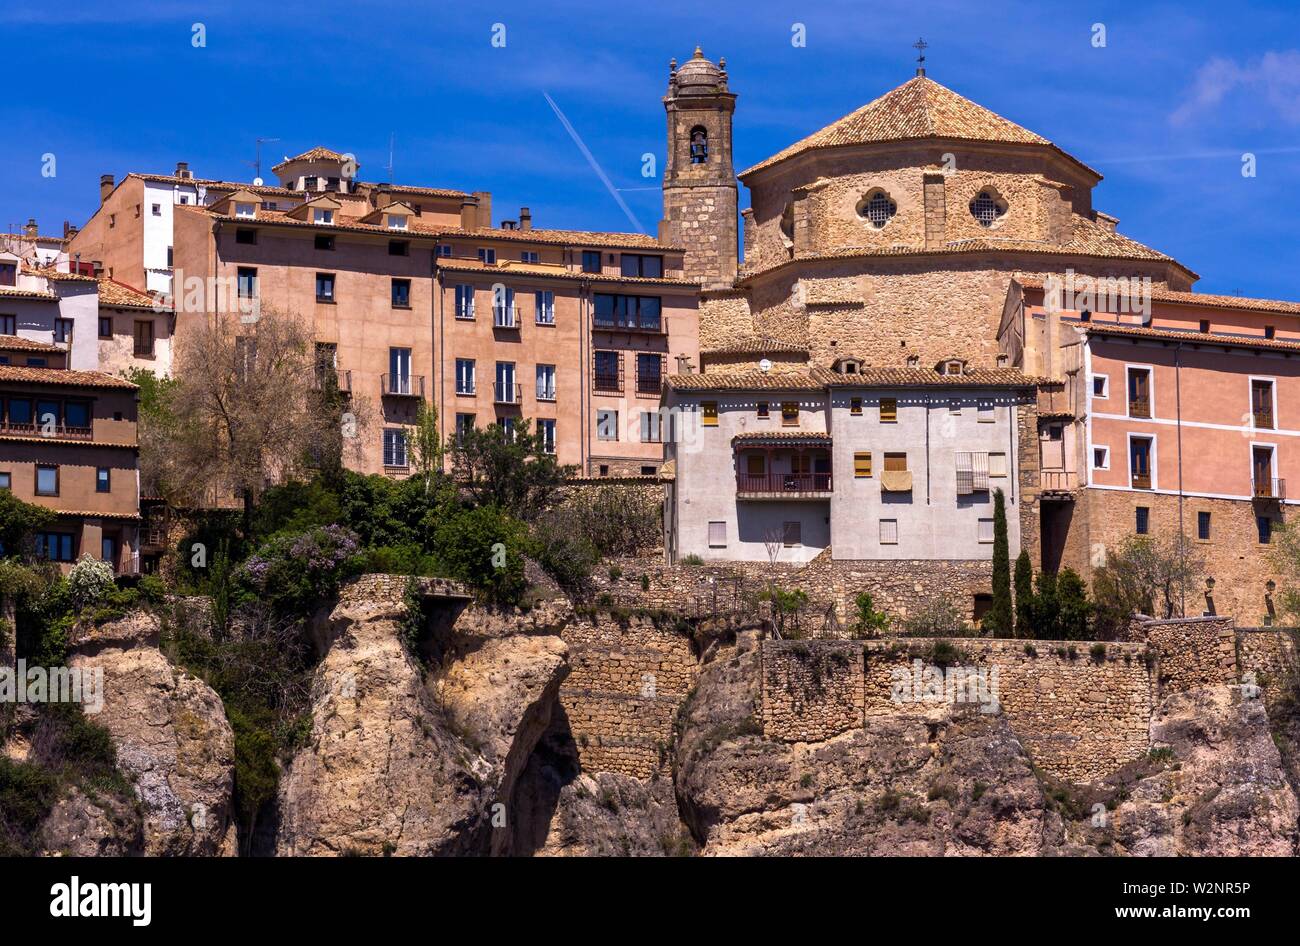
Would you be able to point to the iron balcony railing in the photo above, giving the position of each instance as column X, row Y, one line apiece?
column 505, row 317
column 1266, row 488
column 783, row 482
column 1139, row 407
column 507, row 393
column 402, row 385
column 1263, row 418
column 340, row 381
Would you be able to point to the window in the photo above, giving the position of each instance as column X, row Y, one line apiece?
column 877, row 209
column 487, row 256
column 861, row 464
column 464, row 424
column 1264, row 529
column 998, row 464
column 590, row 261
column 1203, row 526
column 1100, row 385
column 889, row 410
column 529, row 256
column 641, row 313
column 699, row 145
column 395, row 447
column 170, row 257
column 8, row 325
column 649, row 267
column 717, row 535
column 972, row 472
column 888, row 531
column 651, row 427
column 103, row 480
column 247, row 282
column 6, row 481
column 792, row 534
column 311, row 182
column 157, row 210
column 985, row 413
column 323, row 216
column 464, row 302
column 708, row 413
column 143, row 336
column 855, row 405
column 954, row 405
column 47, row 481
column 648, row 470
column 503, row 307
column 1139, row 392
column 402, row 293
column 324, row 287
column 1205, row 326
column 606, row 425
column 442, row 249
column 987, row 207
column 1261, row 403
column 896, row 462
column 245, row 210
column 762, row 411
column 324, row 241
column 464, row 375
column 546, row 382
column 789, row 414
column 63, row 330
column 985, row 531
column 397, row 221
column 399, row 371
column 544, row 303
column 1142, row 520
column 1270, row 331
column 1140, row 462
column 399, row 248
column 1101, row 458
column 507, row 392
column 8, row 274
column 546, row 430
column 649, row 372
column 105, row 326
column 609, row 371
column 246, row 236
column 54, row 546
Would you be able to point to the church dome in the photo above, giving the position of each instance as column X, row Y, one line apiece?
column 698, row 75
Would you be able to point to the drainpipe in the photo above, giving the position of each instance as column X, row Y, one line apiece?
column 929, row 399
column 436, row 336
column 1178, row 420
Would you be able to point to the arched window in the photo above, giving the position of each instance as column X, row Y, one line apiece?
column 987, row 207
column 699, row 145
column 877, row 208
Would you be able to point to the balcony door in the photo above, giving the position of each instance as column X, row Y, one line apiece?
column 1262, row 464
column 1261, row 403
column 505, row 382
column 1139, row 392
column 399, row 370
column 1139, row 449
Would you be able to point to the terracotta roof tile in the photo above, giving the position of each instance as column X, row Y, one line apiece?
column 1179, row 335
column 317, row 153
column 60, row 376
column 755, row 346
column 546, row 271
column 119, row 295
column 782, row 435
column 926, row 377
column 18, row 343
column 1243, row 303
column 9, row 292
column 566, row 237
column 747, row 380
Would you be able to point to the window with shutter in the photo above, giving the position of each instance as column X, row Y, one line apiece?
column 888, row 531
column 972, row 472
column 861, row 464
column 709, row 413
column 792, row 534
column 997, row 464
column 717, row 535
column 986, row 530
column 789, row 414
column 889, row 410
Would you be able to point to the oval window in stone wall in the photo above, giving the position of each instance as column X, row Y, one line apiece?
column 877, row 209
column 987, row 207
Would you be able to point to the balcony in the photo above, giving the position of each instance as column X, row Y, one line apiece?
column 606, row 381
column 651, row 384
column 783, row 485
column 1268, row 489
column 507, row 393
column 642, row 326
column 397, row 385
column 505, row 317
column 1059, row 482
column 52, row 432
column 330, row 378
column 1263, row 419
column 1139, row 407
column 1141, row 480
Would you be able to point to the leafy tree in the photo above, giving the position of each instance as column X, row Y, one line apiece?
column 511, row 473
column 483, row 548
column 998, row 619
column 1024, row 596
column 1046, row 610
column 425, row 447
column 786, row 604
column 870, row 622
column 1073, row 607
column 1149, row 574
column 19, row 522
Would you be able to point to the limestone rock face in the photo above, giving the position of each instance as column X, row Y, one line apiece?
column 389, row 768
column 173, row 741
column 943, row 782
column 1223, row 792
column 78, row 826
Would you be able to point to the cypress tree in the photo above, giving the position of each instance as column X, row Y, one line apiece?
column 1024, row 597
column 998, row 620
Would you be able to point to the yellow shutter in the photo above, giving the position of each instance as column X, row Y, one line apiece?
column 888, row 410
column 709, row 410
column 789, row 414
column 862, row 464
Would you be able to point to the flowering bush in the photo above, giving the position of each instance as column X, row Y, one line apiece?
column 89, row 581
column 292, row 573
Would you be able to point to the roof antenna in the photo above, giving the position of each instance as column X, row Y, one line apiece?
column 920, row 46
column 257, row 165
column 389, row 168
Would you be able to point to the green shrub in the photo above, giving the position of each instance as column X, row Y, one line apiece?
column 483, row 548
column 1097, row 652
column 691, row 559
column 89, row 581
column 293, row 573
column 568, row 558
column 27, row 793
column 870, row 622
column 409, row 559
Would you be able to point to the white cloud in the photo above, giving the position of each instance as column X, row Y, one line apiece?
column 1273, row 81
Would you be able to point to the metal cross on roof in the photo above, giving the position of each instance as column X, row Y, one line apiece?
column 920, row 46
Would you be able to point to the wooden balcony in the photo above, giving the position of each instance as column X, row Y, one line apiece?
column 1268, row 490
column 1060, row 483
column 1263, row 419
column 52, row 432
column 783, row 485
column 1139, row 407
column 1141, row 480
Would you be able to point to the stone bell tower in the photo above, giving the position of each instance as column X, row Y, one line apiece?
column 700, row 191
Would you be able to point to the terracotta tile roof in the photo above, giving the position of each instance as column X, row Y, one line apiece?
column 213, row 184
column 18, row 343
column 746, row 380
column 566, row 237
column 919, row 108
column 119, row 295
column 1179, row 335
column 1207, row 300
column 547, row 271
column 755, row 346
column 783, row 435
column 39, row 238
column 92, row 514
column 49, row 272
column 926, row 377
column 67, row 441
column 317, row 153
column 9, row 292
column 411, row 189
column 62, row 377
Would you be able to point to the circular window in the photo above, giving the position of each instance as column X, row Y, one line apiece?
column 987, row 208
column 877, row 209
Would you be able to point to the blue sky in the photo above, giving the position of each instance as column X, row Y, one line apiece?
column 1165, row 110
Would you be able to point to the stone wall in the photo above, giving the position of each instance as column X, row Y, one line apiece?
column 620, row 698
column 1194, row 652
column 1079, row 716
column 1271, row 655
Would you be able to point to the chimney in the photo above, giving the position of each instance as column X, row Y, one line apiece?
column 508, row 225
column 383, row 196
column 31, row 230
column 469, row 213
column 484, row 208
column 525, row 218
column 105, row 186
column 913, row 361
column 1001, row 360
column 183, row 170
column 69, row 231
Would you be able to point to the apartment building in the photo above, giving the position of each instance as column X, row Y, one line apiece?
column 414, row 296
column 1175, row 413
column 68, row 442
column 874, row 463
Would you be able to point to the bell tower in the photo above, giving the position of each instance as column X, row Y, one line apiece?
column 700, row 190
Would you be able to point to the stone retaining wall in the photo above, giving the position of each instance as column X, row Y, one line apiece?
column 1194, row 652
